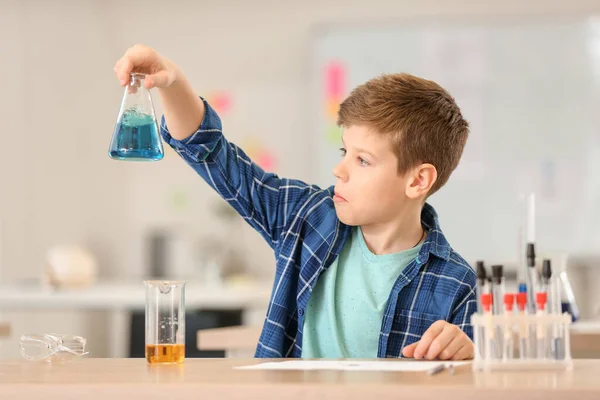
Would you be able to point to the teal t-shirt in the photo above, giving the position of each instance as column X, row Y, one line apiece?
column 345, row 310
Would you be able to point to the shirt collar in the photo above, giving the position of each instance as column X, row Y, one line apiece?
column 436, row 242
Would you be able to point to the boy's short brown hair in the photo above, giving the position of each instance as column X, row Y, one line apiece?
column 422, row 120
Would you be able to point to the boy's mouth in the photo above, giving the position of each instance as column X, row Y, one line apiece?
column 338, row 199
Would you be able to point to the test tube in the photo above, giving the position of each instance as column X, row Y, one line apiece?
column 570, row 295
column 481, row 283
column 532, row 280
column 509, row 301
column 532, row 286
column 531, row 277
column 558, row 340
column 555, row 309
column 523, row 326
column 488, row 322
column 542, row 342
column 498, row 288
column 481, row 288
column 498, row 309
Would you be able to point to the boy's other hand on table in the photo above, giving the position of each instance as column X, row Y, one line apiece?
column 443, row 341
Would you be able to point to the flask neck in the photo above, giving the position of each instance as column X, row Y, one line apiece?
column 136, row 79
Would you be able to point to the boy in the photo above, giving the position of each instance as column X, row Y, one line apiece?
column 363, row 269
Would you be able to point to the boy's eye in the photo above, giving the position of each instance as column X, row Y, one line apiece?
column 342, row 151
column 362, row 161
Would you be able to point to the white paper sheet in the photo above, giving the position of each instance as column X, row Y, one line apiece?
column 409, row 366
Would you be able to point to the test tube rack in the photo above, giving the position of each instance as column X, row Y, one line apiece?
column 521, row 342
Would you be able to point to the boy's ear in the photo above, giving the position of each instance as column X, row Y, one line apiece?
column 420, row 181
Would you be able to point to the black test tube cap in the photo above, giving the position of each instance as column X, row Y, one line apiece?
column 530, row 254
column 497, row 273
column 481, row 274
column 547, row 270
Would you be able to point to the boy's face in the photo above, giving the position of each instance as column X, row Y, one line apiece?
column 368, row 187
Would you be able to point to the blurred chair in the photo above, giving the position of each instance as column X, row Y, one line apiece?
column 585, row 345
column 236, row 341
column 585, row 339
column 4, row 329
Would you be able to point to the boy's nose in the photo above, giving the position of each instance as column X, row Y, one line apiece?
column 340, row 172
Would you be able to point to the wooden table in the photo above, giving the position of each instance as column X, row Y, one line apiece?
column 130, row 379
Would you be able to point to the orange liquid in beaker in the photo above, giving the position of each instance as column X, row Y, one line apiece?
column 165, row 353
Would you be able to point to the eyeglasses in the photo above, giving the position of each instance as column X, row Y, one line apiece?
column 52, row 347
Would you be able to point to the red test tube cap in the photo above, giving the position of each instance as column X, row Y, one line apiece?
column 522, row 301
column 541, row 298
column 509, row 301
column 486, row 301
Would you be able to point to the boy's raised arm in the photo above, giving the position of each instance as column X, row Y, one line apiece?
column 193, row 129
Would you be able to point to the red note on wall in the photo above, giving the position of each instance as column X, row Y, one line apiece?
column 220, row 101
column 335, row 78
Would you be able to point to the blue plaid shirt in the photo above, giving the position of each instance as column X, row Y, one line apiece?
column 300, row 223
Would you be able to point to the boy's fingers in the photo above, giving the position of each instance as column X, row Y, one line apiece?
column 434, row 330
column 441, row 341
column 464, row 353
column 452, row 348
column 159, row 79
column 409, row 350
column 138, row 57
column 125, row 67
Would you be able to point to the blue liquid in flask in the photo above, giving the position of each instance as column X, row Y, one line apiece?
column 136, row 138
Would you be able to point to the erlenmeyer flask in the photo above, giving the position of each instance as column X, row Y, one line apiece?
column 136, row 133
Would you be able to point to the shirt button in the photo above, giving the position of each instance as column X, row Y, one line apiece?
column 301, row 311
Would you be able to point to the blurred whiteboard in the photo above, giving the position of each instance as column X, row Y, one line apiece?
column 530, row 90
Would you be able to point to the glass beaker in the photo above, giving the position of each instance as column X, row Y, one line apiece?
column 165, row 322
column 136, row 137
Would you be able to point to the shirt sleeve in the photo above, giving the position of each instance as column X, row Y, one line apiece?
column 266, row 201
